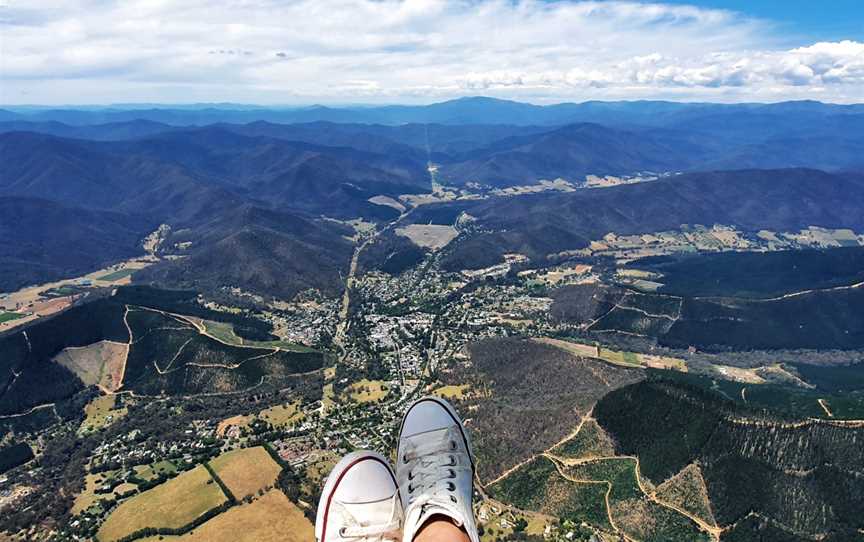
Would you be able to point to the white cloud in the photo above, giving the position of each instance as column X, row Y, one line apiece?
column 91, row 51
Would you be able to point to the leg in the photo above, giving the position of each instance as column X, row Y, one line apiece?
column 441, row 529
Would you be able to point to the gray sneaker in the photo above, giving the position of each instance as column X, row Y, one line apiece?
column 360, row 501
column 435, row 467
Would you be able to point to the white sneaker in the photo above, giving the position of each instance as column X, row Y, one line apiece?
column 435, row 467
column 360, row 501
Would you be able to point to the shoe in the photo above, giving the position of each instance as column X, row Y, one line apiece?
column 360, row 501
column 435, row 468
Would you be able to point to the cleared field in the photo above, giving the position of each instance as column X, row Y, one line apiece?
column 432, row 236
column 388, row 201
column 367, row 391
column 9, row 316
column 149, row 472
column 271, row 518
column 624, row 359
column 88, row 497
column 232, row 421
column 453, row 392
column 246, row 471
column 99, row 364
column 282, row 415
column 117, row 275
column 687, row 491
column 101, row 412
column 173, row 504
column 224, row 331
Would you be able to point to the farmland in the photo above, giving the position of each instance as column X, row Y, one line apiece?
column 174, row 504
column 246, row 471
column 9, row 316
column 270, row 518
column 116, row 275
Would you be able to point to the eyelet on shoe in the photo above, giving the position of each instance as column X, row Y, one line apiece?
column 411, row 488
column 405, row 458
column 410, row 475
column 452, row 444
column 451, row 486
column 452, row 473
column 452, row 498
column 452, row 460
column 342, row 532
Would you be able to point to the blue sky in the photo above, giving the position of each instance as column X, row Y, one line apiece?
column 420, row 51
column 820, row 20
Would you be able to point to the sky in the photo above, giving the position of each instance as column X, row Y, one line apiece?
column 300, row 52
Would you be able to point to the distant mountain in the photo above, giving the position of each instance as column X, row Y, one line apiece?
column 544, row 224
column 571, row 153
column 100, row 132
column 678, row 137
column 220, row 187
column 41, row 240
column 470, row 110
column 259, row 250
column 186, row 176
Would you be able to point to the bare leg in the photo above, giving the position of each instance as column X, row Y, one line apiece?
column 441, row 529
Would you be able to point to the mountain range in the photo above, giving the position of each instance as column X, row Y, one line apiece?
column 109, row 177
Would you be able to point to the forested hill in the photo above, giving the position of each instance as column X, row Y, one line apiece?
column 802, row 477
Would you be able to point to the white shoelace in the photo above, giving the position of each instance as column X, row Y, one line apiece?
column 360, row 530
column 433, row 468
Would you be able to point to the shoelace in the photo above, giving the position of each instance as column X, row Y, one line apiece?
column 390, row 530
column 387, row 531
column 433, row 468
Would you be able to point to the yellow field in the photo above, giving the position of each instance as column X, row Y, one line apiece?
column 173, row 504
column 223, row 426
column 282, row 415
column 624, row 359
column 100, row 413
column 246, row 471
column 453, row 392
column 88, row 496
column 367, row 391
column 271, row 518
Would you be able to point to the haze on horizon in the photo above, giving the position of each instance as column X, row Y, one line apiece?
column 78, row 52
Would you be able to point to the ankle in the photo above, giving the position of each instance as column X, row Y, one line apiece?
column 440, row 528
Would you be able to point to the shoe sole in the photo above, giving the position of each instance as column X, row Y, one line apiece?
column 453, row 414
column 336, row 476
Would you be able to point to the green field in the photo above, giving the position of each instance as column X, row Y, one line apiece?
column 149, row 472
column 8, row 316
column 116, row 275
column 224, row 331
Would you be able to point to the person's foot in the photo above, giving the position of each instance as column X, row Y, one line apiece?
column 360, row 501
column 435, row 468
